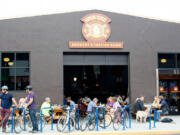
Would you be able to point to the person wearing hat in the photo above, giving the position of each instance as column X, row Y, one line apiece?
column 31, row 105
column 6, row 100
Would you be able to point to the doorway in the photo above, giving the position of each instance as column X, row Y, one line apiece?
column 169, row 87
column 95, row 75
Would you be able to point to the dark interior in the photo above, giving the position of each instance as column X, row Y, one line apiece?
column 99, row 81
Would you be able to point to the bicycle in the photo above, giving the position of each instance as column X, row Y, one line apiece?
column 89, row 121
column 118, row 120
column 15, row 122
column 108, row 118
column 25, row 116
column 65, row 120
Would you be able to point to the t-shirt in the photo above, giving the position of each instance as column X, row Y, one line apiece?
column 110, row 104
column 33, row 104
column 72, row 105
column 90, row 106
column 164, row 106
column 138, row 106
column 116, row 106
column 45, row 112
column 6, row 100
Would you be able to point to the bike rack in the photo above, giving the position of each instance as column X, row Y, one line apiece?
column 69, row 125
column 124, row 108
column 77, row 110
column 150, row 116
column 97, row 114
column 41, row 130
column 12, row 119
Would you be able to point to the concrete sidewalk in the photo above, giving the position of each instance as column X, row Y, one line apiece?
column 136, row 129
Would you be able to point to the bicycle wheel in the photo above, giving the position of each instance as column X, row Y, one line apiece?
column 76, row 123
column 83, row 124
column 108, row 120
column 17, row 128
column 28, row 123
column 44, row 122
column 9, row 126
column 72, row 124
column 61, row 123
column 91, row 124
column 126, row 119
column 117, row 124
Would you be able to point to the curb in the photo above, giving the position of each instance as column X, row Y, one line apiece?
column 118, row 133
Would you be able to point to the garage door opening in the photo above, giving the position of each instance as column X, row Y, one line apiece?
column 99, row 81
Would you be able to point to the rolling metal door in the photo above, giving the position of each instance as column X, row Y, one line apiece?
column 95, row 59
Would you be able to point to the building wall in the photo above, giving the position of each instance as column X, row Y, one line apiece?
column 47, row 37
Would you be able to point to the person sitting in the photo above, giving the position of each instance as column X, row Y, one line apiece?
column 117, row 109
column 71, row 103
column 21, row 102
column 109, row 104
column 119, row 99
column 139, row 105
column 126, row 101
column 86, row 100
column 164, row 108
column 82, row 107
column 46, row 104
column 91, row 105
column 65, row 100
column 155, row 102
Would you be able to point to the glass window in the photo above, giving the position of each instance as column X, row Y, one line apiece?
column 14, row 70
column 7, row 77
column 178, row 60
column 8, row 60
column 167, row 60
column 22, row 60
column 22, row 78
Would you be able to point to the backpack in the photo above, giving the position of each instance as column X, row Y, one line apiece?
column 167, row 120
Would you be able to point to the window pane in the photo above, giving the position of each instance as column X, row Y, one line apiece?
column 22, row 78
column 22, row 60
column 8, row 60
column 7, row 77
column 167, row 61
column 178, row 60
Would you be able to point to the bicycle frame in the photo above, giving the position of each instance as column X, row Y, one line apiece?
column 97, row 114
column 124, row 110
column 150, row 116
column 12, row 119
column 41, row 129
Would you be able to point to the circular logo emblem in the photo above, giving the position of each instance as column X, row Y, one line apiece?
column 96, row 27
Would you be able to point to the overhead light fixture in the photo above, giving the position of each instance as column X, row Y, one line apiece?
column 6, row 59
column 10, row 63
column 175, row 88
column 163, row 60
column 97, row 85
column 161, row 88
column 75, row 79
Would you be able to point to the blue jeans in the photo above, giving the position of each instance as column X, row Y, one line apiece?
column 158, row 114
column 32, row 113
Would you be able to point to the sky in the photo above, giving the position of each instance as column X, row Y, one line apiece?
column 167, row 10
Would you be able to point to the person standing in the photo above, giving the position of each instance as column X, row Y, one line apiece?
column 31, row 105
column 6, row 100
